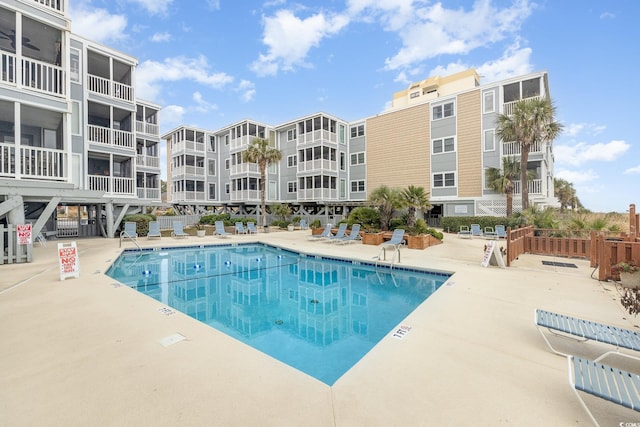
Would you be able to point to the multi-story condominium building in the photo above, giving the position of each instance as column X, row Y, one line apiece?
column 438, row 134
column 78, row 150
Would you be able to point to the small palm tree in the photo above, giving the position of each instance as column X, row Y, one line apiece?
column 387, row 200
column 414, row 198
column 532, row 121
column 501, row 180
column 260, row 152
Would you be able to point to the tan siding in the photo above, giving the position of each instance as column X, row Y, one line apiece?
column 469, row 145
column 398, row 149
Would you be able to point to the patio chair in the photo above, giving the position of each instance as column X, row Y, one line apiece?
column 605, row 382
column 154, row 230
column 464, row 232
column 490, row 233
column 353, row 235
column 501, row 231
column 129, row 231
column 178, row 230
column 342, row 230
column 220, row 231
column 251, row 228
column 303, row 225
column 397, row 239
column 240, row 228
column 585, row 330
column 325, row 233
column 476, row 231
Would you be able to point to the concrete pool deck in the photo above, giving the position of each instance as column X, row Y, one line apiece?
column 86, row 351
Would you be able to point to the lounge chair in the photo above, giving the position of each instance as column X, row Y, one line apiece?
column 251, row 228
column 501, row 231
column 397, row 239
column 605, row 382
column 353, row 235
column 325, row 233
column 585, row 330
column 154, row 230
column 129, row 231
column 240, row 228
column 464, row 232
column 476, row 231
column 220, row 231
column 178, row 230
column 342, row 230
column 490, row 233
column 303, row 225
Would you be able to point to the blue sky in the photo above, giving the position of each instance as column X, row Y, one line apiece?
column 210, row 63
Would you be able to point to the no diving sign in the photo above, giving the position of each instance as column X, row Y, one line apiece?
column 68, row 260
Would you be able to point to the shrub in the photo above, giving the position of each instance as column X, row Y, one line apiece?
column 315, row 223
column 368, row 218
column 211, row 219
column 142, row 222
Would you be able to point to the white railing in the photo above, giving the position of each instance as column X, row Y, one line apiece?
column 318, row 194
column 42, row 163
column 513, row 148
column 240, row 143
column 243, row 168
column 148, row 161
column 317, row 136
column 147, row 128
column 107, row 136
column 42, row 76
column 185, row 196
column 112, row 185
column 57, row 5
column 534, row 185
column 122, row 91
column 8, row 67
column 508, row 107
column 149, row 193
column 244, row 195
column 176, row 147
column 318, row 165
column 110, row 88
column 7, row 159
column 188, row 170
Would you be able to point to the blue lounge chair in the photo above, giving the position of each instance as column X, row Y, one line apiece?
column 240, row 228
column 342, row 230
column 605, row 382
column 476, row 231
column 585, row 330
column 354, row 235
column 303, row 225
column 501, row 231
column 154, row 230
column 178, row 230
column 325, row 233
column 220, row 231
column 464, row 232
column 129, row 231
column 251, row 228
column 397, row 239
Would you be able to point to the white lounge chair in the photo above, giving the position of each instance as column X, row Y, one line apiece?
column 354, row 235
column 325, row 233
column 220, row 231
column 251, row 228
column 342, row 231
column 240, row 228
column 178, row 230
column 303, row 225
column 154, row 230
column 490, row 233
column 129, row 231
column 464, row 232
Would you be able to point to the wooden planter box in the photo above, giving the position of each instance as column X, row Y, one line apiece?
column 316, row 231
column 422, row 241
column 630, row 280
column 372, row 238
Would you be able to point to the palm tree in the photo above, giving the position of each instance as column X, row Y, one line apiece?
column 532, row 121
column 260, row 152
column 414, row 198
column 566, row 194
column 502, row 180
column 387, row 200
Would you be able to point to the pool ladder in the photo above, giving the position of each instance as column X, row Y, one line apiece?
column 383, row 255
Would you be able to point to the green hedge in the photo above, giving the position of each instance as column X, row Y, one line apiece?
column 452, row 224
column 142, row 223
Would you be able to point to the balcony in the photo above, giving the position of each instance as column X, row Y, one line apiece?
column 245, row 195
column 513, row 148
column 35, row 162
column 149, row 193
column 507, row 107
column 55, row 5
column 110, row 88
column 37, row 75
column 177, row 147
column 147, row 161
column 197, row 171
column 244, row 168
column 318, row 194
column 111, row 137
column 147, row 128
column 318, row 165
column 187, row 196
column 240, row 143
column 534, row 185
column 317, row 136
column 112, row 185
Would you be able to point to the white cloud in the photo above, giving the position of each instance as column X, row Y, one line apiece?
column 574, row 129
column 576, row 154
column 150, row 75
column 202, row 106
column 607, row 15
column 633, row 171
column 171, row 116
column 247, row 89
column 576, row 177
column 154, row 6
column 290, row 39
column 514, row 61
column 161, row 37
column 97, row 24
column 213, row 4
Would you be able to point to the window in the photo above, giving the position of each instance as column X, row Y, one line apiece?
column 226, row 164
column 444, row 145
column 226, row 188
column 443, row 110
column 292, row 186
column 212, row 191
column 212, row 143
column 291, row 135
column 226, row 139
column 341, row 134
column 444, row 180
column 74, row 65
column 357, row 186
column 343, row 188
column 292, row 161
column 489, row 140
column 489, row 103
column 75, row 118
column 212, row 167
column 357, row 158
column 357, row 131
column 343, row 161
column 414, row 95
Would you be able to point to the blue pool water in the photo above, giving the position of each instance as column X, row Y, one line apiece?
column 315, row 314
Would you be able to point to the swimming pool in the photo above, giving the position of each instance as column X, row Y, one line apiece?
column 317, row 314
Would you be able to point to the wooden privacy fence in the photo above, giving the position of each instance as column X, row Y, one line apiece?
column 612, row 250
column 516, row 242
column 13, row 253
column 540, row 241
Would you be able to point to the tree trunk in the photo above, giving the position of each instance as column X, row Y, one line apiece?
column 263, row 202
column 524, row 183
column 509, row 203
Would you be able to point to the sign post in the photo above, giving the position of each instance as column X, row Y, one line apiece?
column 68, row 260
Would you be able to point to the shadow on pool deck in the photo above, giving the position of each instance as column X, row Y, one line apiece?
column 87, row 351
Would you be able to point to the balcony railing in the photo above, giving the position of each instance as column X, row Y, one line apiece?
column 147, row 128
column 188, row 170
column 148, row 161
column 534, row 185
column 508, row 107
column 177, row 147
column 57, row 5
column 244, row 168
column 8, row 67
column 107, row 136
column 317, row 136
column 7, row 160
column 244, row 195
column 318, row 165
column 110, row 88
column 240, row 143
column 37, row 75
column 513, row 148
column 185, row 196
column 112, row 184
column 148, row 193
column 35, row 162
column 318, row 194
